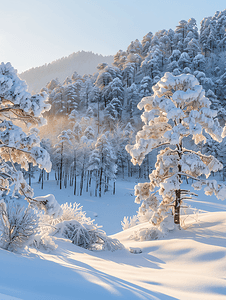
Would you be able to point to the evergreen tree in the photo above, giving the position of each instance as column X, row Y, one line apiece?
column 145, row 86
column 178, row 109
column 132, row 100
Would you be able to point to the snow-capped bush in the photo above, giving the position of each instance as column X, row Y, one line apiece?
column 49, row 204
column 88, row 236
column 129, row 222
column 146, row 234
column 74, row 225
column 17, row 225
column 73, row 212
column 43, row 242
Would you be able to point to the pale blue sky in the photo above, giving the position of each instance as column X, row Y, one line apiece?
column 35, row 32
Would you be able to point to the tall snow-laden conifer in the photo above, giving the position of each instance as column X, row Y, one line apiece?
column 17, row 107
column 178, row 109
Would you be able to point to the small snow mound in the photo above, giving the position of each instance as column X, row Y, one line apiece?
column 135, row 250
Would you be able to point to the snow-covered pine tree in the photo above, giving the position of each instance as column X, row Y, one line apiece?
column 62, row 153
column 102, row 160
column 177, row 109
column 17, row 106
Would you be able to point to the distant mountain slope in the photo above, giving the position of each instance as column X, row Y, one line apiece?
column 82, row 62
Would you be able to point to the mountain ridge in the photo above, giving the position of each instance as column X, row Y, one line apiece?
column 82, row 62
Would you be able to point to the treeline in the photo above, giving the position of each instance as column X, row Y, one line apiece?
column 99, row 111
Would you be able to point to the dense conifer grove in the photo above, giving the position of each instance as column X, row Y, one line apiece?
column 93, row 117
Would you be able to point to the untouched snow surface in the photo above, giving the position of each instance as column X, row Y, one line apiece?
column 187, row 264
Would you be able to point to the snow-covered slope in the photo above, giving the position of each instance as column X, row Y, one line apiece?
column 81, row 62
column 187, row 264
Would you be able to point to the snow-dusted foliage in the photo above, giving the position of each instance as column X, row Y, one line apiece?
column 18, row 106
column 178, row 109
column 88, row 236
column 73, row 224
column 50, row 205
column 17, row 225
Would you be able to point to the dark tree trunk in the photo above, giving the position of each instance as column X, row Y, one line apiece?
column 178, row 200
column 177, row 207
column 29, row 174
column 101, row 174
column 90, row 179
column 114, row 188
column 42, row 179
column 81, row 181
column 61, row 165
column 96, row 188
column 65, row 181
column 87, row 181
column 75, row 173
column 139, row 172
column 100, row 181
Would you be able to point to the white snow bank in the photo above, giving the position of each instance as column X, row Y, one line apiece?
column 187, row 265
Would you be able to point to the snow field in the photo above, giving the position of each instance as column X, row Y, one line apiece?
column 184, row 265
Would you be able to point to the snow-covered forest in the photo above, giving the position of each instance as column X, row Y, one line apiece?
column 154, row 118
column 96, row 115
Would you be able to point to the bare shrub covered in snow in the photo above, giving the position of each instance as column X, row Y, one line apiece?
column 17, row 225
column 178, row 109
column 88, row 236
column 74, row 225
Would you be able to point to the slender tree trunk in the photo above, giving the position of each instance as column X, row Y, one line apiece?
column 81, row 181
column 177, row 207
column 100, row 181
column 42, row 179
column 65, row 180
column 87, row 181
column 114, row 188
column 56, row 177
column 96, row 188
column 29, row 174
column 139, row 172
column 61, row 165
column 90, row 178
column 101, row 174
column 178, row 192
column 128, row 167
column 75, row 174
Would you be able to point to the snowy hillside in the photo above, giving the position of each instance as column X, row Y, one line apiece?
column 81, row 62
column 185, row 265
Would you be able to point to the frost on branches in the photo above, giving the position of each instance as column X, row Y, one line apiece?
column 18, row 107
column 177, row 109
